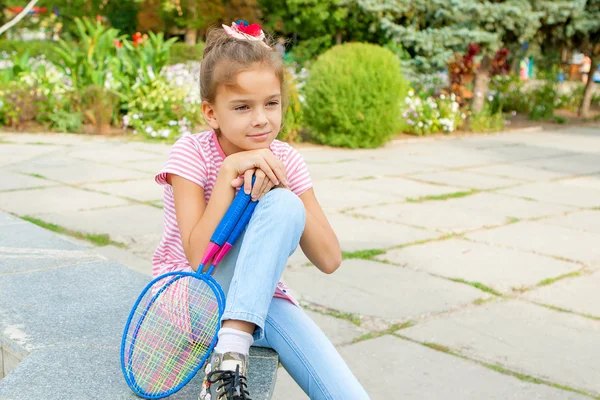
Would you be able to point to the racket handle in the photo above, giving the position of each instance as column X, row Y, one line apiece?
column 235, row 234
column 231, row 217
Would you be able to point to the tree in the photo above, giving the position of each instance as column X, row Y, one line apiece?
column 432, row 30
column 584, row 31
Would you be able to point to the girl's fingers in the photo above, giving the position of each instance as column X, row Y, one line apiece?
column 265, row 167
column 265, row 188
column 259, row 183
column 278, row 168
column 248, row 180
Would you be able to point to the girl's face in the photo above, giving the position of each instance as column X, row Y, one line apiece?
column 247, row 114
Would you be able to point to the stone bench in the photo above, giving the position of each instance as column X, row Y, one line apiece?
column 62, row 313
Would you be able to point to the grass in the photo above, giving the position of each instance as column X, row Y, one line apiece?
column 564, row 310
column 37, row 176
column 532, row 379
column 354, row 318
column 442, row 197
column 512, row 220
column 479, row 302
column 362, row 254
column 502, row 370
column 423, row 241
column 550, row 281
column 97, row 239
column 366, row 178
column 389, row 331
column 478, row 285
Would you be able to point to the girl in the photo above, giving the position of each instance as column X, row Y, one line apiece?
column 243, row 99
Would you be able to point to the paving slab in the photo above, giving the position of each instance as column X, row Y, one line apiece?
column 19, row 234
column 466, row 179
column 402, row 188
column 580, row 192
column 339, row 331
column 286, row 388
column 363, row 233
column 518, row 172
column 576, row 164
column 423, row 373
column 15, row 181
column 462, row 214
column 588, row 220
column 126, row 257
column 15, row 260
column 62, row 168
column 361, row 286
column 119, row 153
column 544, row 239
column 129, row 224
column 12, row 154
column 522, row 337
column 579, row 294
column 150, row 166
column 333, row 195
column 7, row 219
column 571, row 138
column 60, row 199
column 524, row 151
column 360, row 169
column 499, row 268
column 62, row 299
column 140, row 190
column 72, row 378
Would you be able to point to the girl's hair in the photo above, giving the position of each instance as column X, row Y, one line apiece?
column 224, row 57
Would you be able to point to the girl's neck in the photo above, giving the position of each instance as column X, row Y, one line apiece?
column 227, row 147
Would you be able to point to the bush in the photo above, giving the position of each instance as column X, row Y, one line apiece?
column 292, row 123
column 487, row 120
column 353, row 96
column 182, row 53
column 425, row 115
column 35, row 48
column 544, row 100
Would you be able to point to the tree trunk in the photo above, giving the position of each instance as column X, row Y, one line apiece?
column 481, row 84
column 338, row 37
column 584, row 108
column 19, row 17
column 191, row 35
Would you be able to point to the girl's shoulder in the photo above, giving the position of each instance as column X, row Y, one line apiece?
column 283, row 150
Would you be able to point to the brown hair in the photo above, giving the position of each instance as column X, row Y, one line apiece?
column 224, row 57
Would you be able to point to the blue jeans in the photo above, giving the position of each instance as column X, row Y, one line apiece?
column 249, row 275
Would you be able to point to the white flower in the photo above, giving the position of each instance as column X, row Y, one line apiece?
column 442, row 96
column 420, row 124
column 172, row 123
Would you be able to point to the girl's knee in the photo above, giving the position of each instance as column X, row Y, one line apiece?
column 283, row 205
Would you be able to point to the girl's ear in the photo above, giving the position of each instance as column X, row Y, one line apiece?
column 210, row 115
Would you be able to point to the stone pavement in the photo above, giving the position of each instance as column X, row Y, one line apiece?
column 471, row 264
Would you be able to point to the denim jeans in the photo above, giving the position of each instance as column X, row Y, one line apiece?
column 249, row 275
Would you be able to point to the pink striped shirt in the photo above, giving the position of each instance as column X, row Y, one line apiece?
column 198, row 158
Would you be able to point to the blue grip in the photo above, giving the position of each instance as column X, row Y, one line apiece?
column 241, row 225
column 231, row 217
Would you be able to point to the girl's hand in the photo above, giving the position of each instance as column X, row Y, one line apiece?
column 269, row 171
column 262, row 184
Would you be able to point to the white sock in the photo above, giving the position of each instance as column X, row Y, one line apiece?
column 234, row 340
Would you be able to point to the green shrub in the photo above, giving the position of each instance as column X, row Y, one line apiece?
column 544, row 99
column 182, row 53
column 487, row 120
column 34, row 48
column 353, row 96
column 292, row 123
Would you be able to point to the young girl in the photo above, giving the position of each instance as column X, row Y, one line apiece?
column 243, row 99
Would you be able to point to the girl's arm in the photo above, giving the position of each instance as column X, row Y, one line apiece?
column 197, row 220
column 319, row 242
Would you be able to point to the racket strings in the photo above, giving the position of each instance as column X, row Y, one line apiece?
column 171, row 331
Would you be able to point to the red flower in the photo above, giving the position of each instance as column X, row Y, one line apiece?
column 252, row 29
column 117, row 43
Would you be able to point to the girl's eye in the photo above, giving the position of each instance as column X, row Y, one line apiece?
column 241, row 108
column 273, row 103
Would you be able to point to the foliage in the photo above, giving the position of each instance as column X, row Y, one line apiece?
column 508, row 93
column 487, row 120
column 293, row 118
column 33, row 48
column 544, row 100
column 182, row 53
column 353, row 96
column 160, row 110
column 425, row 115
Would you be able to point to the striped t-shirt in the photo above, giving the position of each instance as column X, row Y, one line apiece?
column 198, row 158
